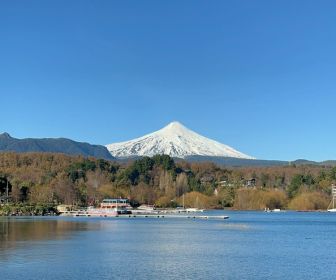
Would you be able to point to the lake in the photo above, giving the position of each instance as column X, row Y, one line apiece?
column 249, row 245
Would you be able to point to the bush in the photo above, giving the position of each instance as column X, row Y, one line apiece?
column 197, row 200
column 165, row 201
column 253, row 199
column 309, row 201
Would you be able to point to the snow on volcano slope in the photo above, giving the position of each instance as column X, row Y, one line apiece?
column 174, row 140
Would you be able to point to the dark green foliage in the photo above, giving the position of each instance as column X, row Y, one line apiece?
column 140, row 170
column 294, row 185
column 78, row 170
column 309, row 180
column 24, row 209
column 332, row 173
column 103, row 165
column 298, row 181
column 178, row 170
column 132, row 175
column 322, row 175
column 143, row 165
column 23, row 193
column 195, row 185
column 165, row 161
column 3, row 186
column 264, row 180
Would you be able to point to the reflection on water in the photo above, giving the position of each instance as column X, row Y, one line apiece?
column 16, row 232
column 236, row 226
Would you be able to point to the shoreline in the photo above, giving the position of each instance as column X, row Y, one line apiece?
column 48, row 210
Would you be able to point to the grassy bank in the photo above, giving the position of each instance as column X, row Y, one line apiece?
column 256, row 199
column 23, row 209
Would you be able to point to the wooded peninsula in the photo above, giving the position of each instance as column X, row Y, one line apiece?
column 38, row 182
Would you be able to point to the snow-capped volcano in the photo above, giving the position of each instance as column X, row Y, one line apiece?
column 175, row 140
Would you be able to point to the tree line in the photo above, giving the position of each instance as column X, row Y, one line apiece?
column 50, row 178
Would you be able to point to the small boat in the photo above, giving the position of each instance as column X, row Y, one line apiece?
column 272, row 210
column 189, row 210
column 193, row 210
column 145, row 209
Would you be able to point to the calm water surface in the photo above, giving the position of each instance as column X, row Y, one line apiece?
column 250, row 245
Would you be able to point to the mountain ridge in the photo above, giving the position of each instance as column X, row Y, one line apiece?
column 37, row 145
column 238, row 162
column 53, row 145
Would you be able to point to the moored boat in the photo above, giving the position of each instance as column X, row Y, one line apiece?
column 192, row 210
column 101, row 212
column 120, row 205
column 145, row 209
column 75, row 213
column 273, row 210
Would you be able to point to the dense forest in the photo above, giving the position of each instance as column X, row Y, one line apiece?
column 51, row 179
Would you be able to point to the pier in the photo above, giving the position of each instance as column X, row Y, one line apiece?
column 155, row 216
column 176, row 216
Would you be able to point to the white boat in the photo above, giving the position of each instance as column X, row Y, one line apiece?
column 102, row 212
column 145, row 209
column 108, row 208
column 193, row 210
column 333, row 193
column 273, row 210
column 121, row 205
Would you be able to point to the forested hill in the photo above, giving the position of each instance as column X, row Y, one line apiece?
column 53, row 145
column 239, row 162
column 58, row 178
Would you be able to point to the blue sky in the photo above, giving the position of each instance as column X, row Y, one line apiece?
column 257, row 75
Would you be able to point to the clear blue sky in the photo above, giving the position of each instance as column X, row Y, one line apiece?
column 257, row 75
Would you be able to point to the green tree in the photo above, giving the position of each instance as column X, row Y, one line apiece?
column 294, row 185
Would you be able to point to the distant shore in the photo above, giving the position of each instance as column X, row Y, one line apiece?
column 11, row 210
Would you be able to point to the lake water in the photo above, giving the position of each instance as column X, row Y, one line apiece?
column 250, row 245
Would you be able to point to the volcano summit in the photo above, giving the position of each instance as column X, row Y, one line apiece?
column 174, row 140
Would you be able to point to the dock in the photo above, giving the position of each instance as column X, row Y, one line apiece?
column 152, row 215
column 160, row 216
